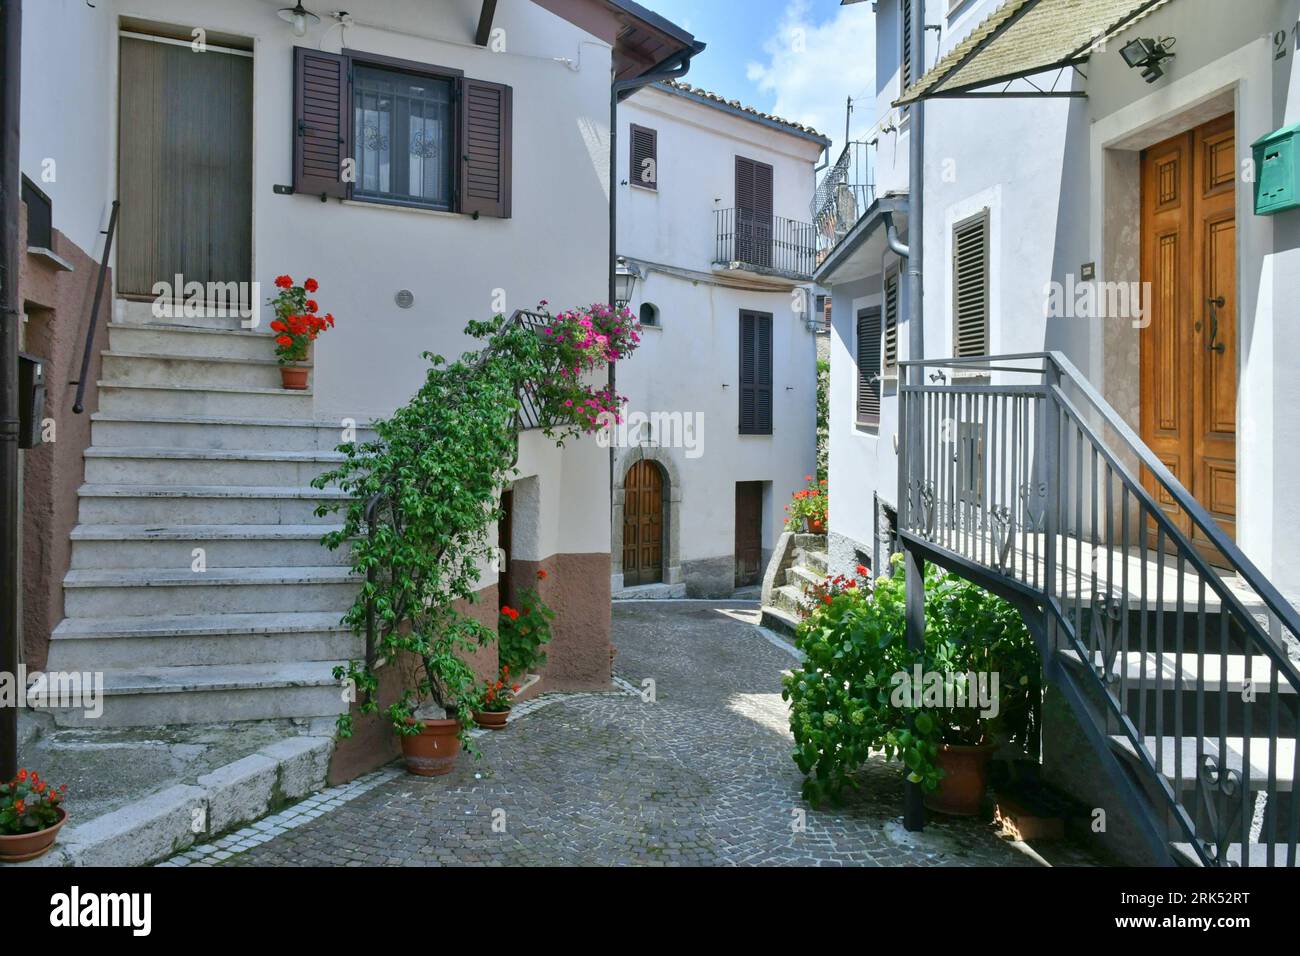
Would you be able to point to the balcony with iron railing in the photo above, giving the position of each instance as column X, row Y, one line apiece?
column 763, row 245
column 846, row 191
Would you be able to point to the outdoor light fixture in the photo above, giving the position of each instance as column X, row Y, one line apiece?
column 625, row 277
column 300, row 17
column 1148, row 55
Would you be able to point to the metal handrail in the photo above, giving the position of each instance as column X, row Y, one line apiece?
column 1016, row 443
column 78, row 406
column 769, row 243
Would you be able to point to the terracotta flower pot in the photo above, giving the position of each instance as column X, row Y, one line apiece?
column 816, row 526
column 433, row 751
column 492, row 719
column 965, row 778
column 293, row 376
column 28, row 846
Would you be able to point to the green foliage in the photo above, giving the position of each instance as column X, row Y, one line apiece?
column 29, row 804
column 843, row 701
column 435, row 467
column 823, row 418
column 522, row 631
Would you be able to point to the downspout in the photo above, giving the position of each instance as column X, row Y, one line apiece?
column 11, row 29
column 620, row 90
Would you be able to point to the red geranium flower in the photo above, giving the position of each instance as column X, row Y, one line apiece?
column 311, row 305
column 541, row 575
column 283, row 282
column 310, row 285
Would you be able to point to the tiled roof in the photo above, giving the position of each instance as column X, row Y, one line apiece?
column 1022, row 35
column 739, row 107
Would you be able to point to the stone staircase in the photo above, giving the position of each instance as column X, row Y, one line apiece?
column 196, row 446
column 799, row 563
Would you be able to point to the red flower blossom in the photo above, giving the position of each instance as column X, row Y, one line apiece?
column 862, row 571
column 283, row 282
column 311, row 285
column 541, row 575
column 311, row 305
column 22, row 775
column 19, row 807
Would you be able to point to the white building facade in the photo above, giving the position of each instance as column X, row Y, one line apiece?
column 713, row 208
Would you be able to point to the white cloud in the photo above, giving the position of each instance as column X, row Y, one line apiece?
column 813, row 67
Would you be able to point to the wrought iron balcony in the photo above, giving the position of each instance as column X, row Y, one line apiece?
column 844, row 194
column 769, row 245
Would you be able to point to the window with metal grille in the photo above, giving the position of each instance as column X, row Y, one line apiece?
column 891, row 324
column 404, row 136
column 970, row 286
column 40, row 216
column 906, row 33
column 868, row 366
column 755, row 373
column 643, row 168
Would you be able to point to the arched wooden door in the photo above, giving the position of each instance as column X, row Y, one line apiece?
column 643, row 525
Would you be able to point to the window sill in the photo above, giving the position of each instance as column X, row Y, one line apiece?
column 400, row 207
column 52, row 258
column 648, row 189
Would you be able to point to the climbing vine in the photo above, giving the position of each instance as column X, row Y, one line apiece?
column 424, row 496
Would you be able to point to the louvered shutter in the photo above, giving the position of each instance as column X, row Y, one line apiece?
column 970, row 287
column 320, row 106
column 755, row 373
column 485, row 135
column 643, row 168
column 891, row 322
column 907, row 43
column 868, row 366
column 754, row 204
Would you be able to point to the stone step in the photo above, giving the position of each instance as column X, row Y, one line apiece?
column 1184, row 774
column 212, row 694
column 131, row 312
column 105, row 546
column 146, row 591
column 187, row 466
column 163, row 338
column 170, row 505
column 120, row 643
column 800, row 577
column 127, row 398
column 818, row 562
column 790, row 599
column 1256, row 854
column 140, row 368
column 779, row 620
column 253, row 434
column 1136, row 666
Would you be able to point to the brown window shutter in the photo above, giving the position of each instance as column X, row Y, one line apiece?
column 970, row 287
column 320, row 121
column 755, row 373
column 906, row 31
column 485, row 134
column 868, row 366
column 891, row 322
column 643, row 169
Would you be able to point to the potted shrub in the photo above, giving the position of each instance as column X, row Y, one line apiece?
column 807, row 508
column 857, row 690
column 296, row 326
column 31, row 815
column 522, row 632
column 495, row 702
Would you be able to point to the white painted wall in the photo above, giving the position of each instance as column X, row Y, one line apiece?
column 691, row 364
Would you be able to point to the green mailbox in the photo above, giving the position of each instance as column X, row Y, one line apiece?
column 1276, row 186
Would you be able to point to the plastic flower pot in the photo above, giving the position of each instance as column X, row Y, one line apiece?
column 433, row 751
column 965, row 778
column 293, row 377
column 492, row 719
column 15, row 848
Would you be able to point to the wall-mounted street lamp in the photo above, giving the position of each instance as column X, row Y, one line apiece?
column 1147, row 54
column 299, row 17
column 625, row 278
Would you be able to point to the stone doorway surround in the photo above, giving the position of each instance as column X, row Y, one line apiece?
column 672, row 497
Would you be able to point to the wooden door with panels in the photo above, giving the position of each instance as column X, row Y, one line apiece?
column 1188, row 392
column 749, row 533
column 643, row 525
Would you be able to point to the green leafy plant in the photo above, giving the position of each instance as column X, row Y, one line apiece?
column 823, row 418
column 843, row 700
column 422, row 503
column 523, row 631
column 29, row 804
column 498, row 696
column 807, row 505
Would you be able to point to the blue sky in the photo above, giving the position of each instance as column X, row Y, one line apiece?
column 798, row 59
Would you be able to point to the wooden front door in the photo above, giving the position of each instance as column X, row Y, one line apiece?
column 185, row 172
column 1189, row 346
column 749, row 533
column 643, row 525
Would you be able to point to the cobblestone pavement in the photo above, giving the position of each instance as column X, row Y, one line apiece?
column 701, row 775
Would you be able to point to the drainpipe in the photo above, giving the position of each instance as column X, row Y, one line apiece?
column 913, row 800
column 620, row 90
column 11, row 29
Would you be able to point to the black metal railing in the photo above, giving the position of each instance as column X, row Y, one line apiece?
column 770, row 244
column 79, row 404
column 846, row 191
column 1151, row 618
